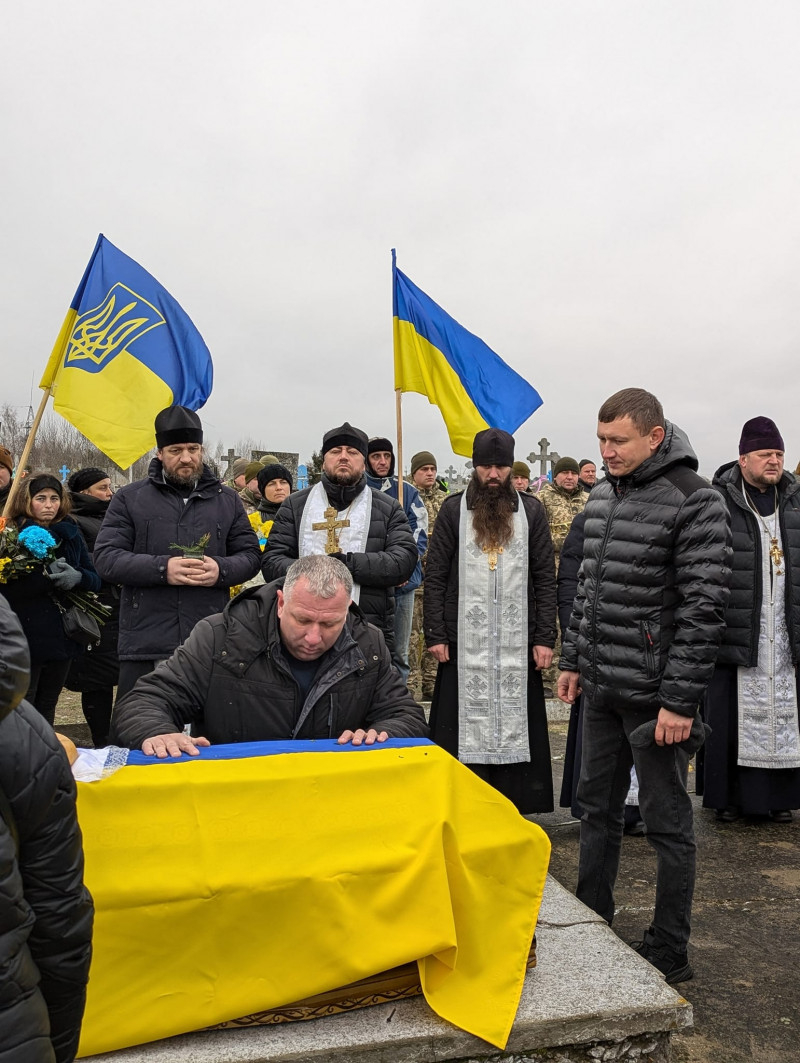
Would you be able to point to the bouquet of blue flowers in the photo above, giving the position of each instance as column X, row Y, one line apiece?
column 22, row 551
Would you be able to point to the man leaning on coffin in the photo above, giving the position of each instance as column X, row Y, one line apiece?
column 294, row 659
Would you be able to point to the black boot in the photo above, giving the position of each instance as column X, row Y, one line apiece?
column 673, row 965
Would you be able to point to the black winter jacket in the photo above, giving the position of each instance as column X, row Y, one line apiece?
column 231, row 681
column 33, row 597
column 568, row 568
column 99, row 666
column 390, row 558
column 743, row 614
column 45, row 910
column 649, row 613
column 440, row 587
column 133, row 548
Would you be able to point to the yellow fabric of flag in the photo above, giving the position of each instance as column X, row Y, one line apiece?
column 228, row 887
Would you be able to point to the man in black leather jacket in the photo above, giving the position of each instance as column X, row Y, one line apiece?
column 45, row 910
column 641, row 645
column 290, row 660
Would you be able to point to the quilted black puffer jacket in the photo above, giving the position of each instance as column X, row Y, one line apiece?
column 45, row 910
column 743, row 615
column 649, row 613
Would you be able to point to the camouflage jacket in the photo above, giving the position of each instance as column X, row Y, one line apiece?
column 250, row 501
column 433, row 498
column 560, row 508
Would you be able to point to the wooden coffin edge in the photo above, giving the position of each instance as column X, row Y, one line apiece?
column 395, row 984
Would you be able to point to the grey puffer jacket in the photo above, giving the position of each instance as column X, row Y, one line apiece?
column 133, row 547
column 389, row 560
column 45, row 910
column 743, row 615
column 232, row 682
column 649, row 614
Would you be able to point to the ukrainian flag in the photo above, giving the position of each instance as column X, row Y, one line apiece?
column 435, row 356
column 125, row 351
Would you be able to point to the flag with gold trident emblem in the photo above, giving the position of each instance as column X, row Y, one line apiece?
column 125, row 351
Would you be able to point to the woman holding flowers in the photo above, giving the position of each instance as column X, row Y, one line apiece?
column 42, row 557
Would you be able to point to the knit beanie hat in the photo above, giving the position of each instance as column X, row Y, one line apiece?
column 345, row 436
column 6, row 459
column 276, row 471
column 83, row 479
column 521, row 468
column 493, row 446
column 239, row 467
column 178, row 424
column 565, row 465
column 760, row 433
column 585, row 461
column 252, row 470
column 424, row 457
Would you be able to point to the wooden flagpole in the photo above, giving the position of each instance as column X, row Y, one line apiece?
column 398, row 410
column 26, row 450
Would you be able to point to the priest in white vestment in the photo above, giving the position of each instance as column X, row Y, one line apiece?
column 751, row 762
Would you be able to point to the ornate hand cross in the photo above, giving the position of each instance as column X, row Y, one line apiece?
column 331, row 525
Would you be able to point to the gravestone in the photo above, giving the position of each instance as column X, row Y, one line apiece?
column 287, row 458
column 302, row 477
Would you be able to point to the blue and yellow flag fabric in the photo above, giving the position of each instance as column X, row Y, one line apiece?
column 435, row 356
column 125, row 351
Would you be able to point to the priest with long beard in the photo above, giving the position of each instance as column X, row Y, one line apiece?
column 490, row 622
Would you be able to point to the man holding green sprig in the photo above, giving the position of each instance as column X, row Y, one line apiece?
column 176, row 542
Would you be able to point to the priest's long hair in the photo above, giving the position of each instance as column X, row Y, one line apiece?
column 492, row 512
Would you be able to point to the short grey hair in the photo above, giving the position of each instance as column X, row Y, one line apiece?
column 325, row 576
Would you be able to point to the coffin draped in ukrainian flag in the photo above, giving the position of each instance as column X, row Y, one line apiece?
column 225, row 887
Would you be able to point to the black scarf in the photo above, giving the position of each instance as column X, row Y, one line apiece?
column 341, row 495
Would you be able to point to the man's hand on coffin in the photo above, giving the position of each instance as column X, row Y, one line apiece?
column 172, row 745
column 361, row 737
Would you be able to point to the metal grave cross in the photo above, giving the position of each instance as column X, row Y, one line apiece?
column 64, row 472
column 543, row 456
column 331, row 525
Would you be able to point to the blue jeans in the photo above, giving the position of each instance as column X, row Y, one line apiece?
column 403, row 616
column 666, row 809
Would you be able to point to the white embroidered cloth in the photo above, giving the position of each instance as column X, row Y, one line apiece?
column 493, row 648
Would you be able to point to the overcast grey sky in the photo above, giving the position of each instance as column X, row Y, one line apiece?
column 605, row 192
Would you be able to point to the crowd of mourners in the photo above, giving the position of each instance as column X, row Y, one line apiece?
column 663, row 608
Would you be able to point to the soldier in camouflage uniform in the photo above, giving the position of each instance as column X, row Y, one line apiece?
column 562, row 500
column 423, row 664
column 237, row 471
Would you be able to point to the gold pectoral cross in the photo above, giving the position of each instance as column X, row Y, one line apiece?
column 776, row 554
column 493, row 553
column 331, row 526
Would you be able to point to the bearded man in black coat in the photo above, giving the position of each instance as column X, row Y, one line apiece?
column 176, row 542
column 343, row 516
